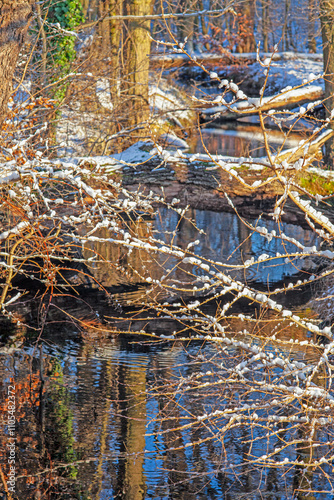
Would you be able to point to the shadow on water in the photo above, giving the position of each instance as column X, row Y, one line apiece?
column 220, row 237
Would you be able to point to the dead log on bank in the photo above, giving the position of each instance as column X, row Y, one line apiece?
column 174, row 59
column 202, row 181
column 309, row 150
column 252, row 106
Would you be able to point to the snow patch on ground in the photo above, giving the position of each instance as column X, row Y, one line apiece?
column 77, row 129
column 289, row 71
column 173, row 140
column 166, row 100
column 137, row 153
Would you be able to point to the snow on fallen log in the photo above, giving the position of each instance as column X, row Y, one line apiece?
column 147, row 155
column 253, row 105
column 307, row 149
column 144, row 156
column 226, row 57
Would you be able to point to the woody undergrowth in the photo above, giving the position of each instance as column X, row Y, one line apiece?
column 263, row 368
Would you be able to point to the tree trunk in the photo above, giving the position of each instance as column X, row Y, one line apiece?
column 327, row 31
column 137, row 61
column 265, row 27
column 185, row 27
column 85, row 7
column 14, row 22
column 245, row 21
column 311, row 34
column 115, row 30
column 204, row 26
column 103, row 28
column 44, row 54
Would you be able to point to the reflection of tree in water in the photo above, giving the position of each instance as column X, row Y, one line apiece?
column 179, row 466
column 44, row 431
column 237, row 452
column 130, row 418
column 59, row 418
column 130, row 482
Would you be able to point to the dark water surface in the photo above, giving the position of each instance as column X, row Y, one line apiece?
column 98, row 411
column 242, row 139
column 98, row 418
column 221, row 237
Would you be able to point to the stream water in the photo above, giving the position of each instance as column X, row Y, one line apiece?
column 100, row 423
column 244, row 140
column 91, row 421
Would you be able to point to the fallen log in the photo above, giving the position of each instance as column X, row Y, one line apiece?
column 174, row 59
column 307, row 149
column 203, row 180
column 142, row 162
column 252, row 106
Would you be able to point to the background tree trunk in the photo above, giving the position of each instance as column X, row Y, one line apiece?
column 103, row 27
column 311, row 32
column 285, row 33
column 327, row 31
column 245, row 21
column 14, row 22
column 265, row 24
column 116, row 41
column 137, row 61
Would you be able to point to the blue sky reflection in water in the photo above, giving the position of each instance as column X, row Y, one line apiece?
column 133, row 420
column 242, row 140
column 103, row 396
column 226, row 239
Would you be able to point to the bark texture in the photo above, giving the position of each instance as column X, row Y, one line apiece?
column 327, row 31
column 14, row 22
column 137, row 61
column 311, row 30
column 116, row 41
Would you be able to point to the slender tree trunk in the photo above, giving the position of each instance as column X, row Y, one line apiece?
column 44, row 55
column 186, row 27
column 137, row 61
column 204, row 26
column 14, row 22
column 85, row 7
column 265, row 18
column 103, row 28
column 327, row 31
column 92, row 10
column 115, row 29
column 285, row 35
column 311, row 35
